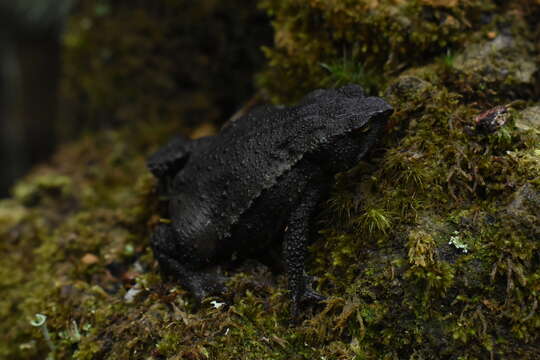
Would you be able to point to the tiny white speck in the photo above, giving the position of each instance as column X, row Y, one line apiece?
column 217, row 304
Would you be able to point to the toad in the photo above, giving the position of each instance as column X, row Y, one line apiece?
column 255, row 186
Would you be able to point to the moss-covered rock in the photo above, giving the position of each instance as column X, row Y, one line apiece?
column 371, row 39
column 427, row 250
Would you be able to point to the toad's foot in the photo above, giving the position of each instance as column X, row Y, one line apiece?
column 304, row 295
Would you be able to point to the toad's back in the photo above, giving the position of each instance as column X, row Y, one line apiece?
column 222, row 179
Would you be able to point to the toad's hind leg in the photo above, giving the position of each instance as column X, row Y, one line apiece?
column 170, row 158
column 180, row 262
column 173, row 156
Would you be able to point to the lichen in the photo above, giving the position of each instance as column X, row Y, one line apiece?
column 458, row 243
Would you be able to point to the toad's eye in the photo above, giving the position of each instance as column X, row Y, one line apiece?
column 361, row 130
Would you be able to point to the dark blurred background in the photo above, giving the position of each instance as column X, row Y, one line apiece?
column 68, row 67
column 29, row 76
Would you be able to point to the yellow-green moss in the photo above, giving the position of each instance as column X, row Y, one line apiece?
column 316, row 42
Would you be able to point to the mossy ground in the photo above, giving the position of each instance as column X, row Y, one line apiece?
column 429, row 249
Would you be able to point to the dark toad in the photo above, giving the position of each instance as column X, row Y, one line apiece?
column 257, row 183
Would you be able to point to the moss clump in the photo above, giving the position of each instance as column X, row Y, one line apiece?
column 372, row 38
column 43, row 186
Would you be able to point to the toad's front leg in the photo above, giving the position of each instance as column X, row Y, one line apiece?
column 295, row 249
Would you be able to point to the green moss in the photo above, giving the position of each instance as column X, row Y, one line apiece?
column 448, row 190
column 359, row 41
column 48, row 185
column 481, row 298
